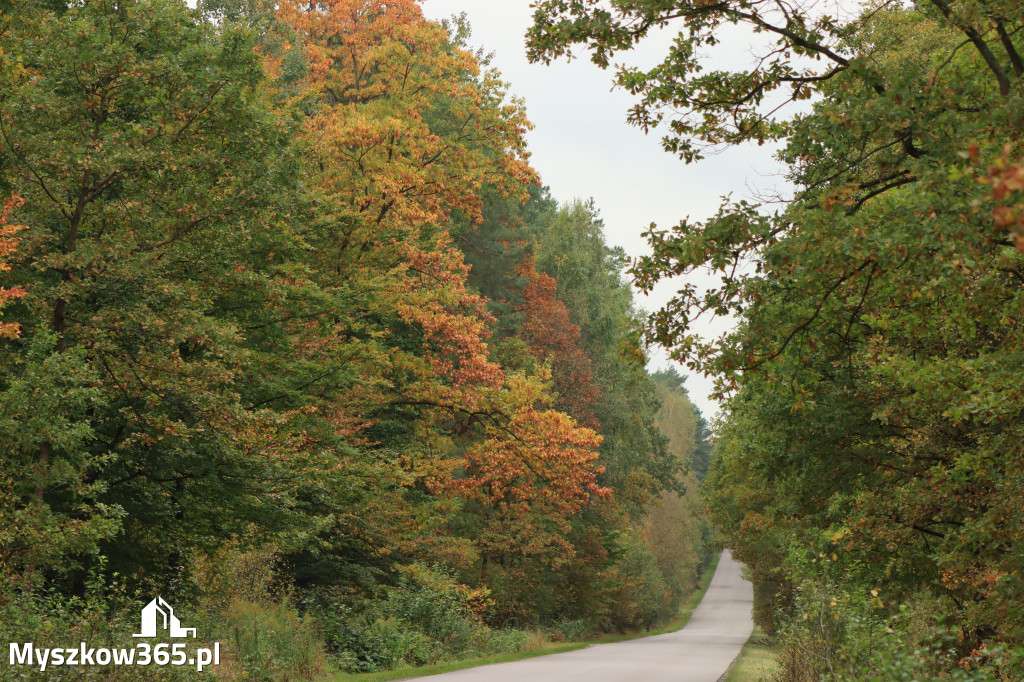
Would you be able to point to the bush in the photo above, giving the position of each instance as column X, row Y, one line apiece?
column 430, row 602
column 254, row 616
column 271, row 642
column 893, row 659
column 263, row 639
column 565, row 630
column 104, row 617
column 425, row 618
column 846, row 634
column 236, row 573
column 509, row 641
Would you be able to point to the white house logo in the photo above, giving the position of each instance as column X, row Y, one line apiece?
column 159, row 613
column 158, row 621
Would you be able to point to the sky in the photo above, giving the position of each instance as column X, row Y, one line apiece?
column 582, row 146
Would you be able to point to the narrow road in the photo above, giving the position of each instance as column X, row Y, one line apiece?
column 700, row 652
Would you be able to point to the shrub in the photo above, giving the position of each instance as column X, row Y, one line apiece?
column 565, row 630
column 234, row 573
column 848, row 634
column 271, row 642
column 426, row 617
column 105, row 616
column 431, row 600
column 511, row 641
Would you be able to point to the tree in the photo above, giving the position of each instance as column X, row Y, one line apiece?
column 251, row 329
column 405, row 135
column 873, row 363
column 554, row 339
column 496, row 249
column 893, row 123
column 679, row 532
column 573, row 251
column 147, row 156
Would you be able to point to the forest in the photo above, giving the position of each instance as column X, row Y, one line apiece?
column 869, row 467
column 293, row 338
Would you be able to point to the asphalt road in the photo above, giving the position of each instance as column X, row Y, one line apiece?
column 700, row 652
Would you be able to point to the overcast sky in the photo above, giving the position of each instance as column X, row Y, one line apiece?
column 582, row 146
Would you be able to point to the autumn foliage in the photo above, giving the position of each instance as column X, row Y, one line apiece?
column 8, row 245
column 407, row 131
column 555, row 339
column 254, row 363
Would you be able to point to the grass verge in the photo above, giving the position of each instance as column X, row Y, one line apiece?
column 677, row 623
column 756, row 661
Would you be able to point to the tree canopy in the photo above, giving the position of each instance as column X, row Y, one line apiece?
column 287, row 334
column 873, row 379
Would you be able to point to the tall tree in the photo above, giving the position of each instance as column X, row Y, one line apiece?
column 406, row 133
column 554, row 339
column 147, row 155
column 589, row 274
column 878, row 395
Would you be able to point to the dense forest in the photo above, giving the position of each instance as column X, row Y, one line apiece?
column 869, row 469
column 294, row 338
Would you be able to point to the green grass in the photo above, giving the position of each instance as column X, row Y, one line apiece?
column 677, row 623
column 756, row 661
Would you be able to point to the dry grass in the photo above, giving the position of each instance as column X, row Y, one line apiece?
column 756, row 663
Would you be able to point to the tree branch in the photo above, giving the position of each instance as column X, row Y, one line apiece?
column 979, row 43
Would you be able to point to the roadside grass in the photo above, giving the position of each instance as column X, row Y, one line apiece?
column 677, row 623
column 756, row 662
